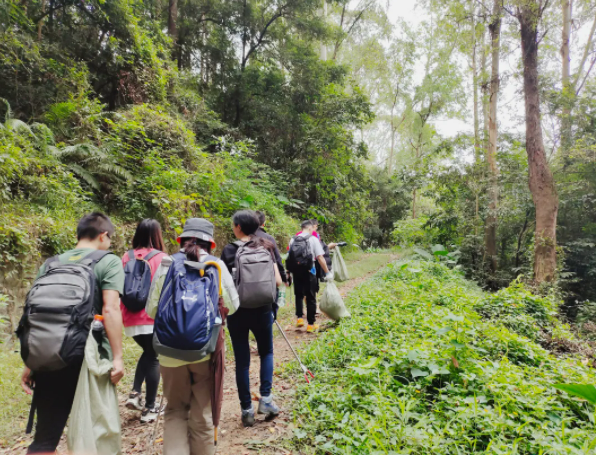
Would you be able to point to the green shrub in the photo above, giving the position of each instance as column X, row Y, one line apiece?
column 412, row 232
column 519, row 310
column 418, row 371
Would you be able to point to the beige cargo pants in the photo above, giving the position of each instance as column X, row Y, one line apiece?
column 188, row 427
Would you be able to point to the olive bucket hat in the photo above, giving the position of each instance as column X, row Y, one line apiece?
column 199, row 228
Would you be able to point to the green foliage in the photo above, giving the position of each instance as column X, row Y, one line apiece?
column 412, row 232
column 520, row 311
column 417, row 370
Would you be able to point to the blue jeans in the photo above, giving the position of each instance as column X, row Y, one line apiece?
column 260, row 323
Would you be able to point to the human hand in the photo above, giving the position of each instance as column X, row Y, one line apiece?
column 332, row 245
column 117, row 371
column 27, row 381
column 329, row 276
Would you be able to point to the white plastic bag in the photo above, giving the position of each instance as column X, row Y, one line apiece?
column 340, row 270
column 94, row 425
column 332, row 303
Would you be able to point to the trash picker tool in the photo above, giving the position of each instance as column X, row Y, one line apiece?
column 156, row 423
column 307, row 373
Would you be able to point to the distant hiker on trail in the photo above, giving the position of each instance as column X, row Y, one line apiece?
column 252, row 262
column 188, row 337
column 327, row 255
column 69, row 290
column 305, row 250
column 140, row 265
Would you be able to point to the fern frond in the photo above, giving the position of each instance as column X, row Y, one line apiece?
column 8, row 114
column 85, row 176
column 110, row 168
column 44, row 133
column 16, row 125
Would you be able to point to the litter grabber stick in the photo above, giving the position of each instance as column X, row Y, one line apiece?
column 307, row 373
column 156, row 423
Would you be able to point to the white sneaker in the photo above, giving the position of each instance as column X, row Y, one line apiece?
column 134, row 401
column 149, row 415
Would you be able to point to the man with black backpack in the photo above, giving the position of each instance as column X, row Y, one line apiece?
column 305, row 250
column 69, row 290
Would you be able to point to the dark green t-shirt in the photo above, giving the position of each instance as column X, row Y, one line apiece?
column 109, row 273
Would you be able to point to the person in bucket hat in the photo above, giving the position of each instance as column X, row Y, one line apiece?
column 198, row 228
column 193, row 390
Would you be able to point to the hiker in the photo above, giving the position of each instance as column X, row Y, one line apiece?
column 140, row 265
column 305, row 250
column 280, row 266
column 53, row 342
column 326, row 254
column 188, row 384
column 252, row 261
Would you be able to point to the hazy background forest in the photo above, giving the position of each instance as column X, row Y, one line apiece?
column 392, row 122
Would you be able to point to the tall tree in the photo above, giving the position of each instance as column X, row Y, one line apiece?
column 491, row 155
column 541, row 181
column 566, row 76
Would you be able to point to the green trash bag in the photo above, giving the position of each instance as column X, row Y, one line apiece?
column 332, row 304
column 340, row 270
column 94, row 425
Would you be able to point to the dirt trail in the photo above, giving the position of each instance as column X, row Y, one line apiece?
column 265, row 437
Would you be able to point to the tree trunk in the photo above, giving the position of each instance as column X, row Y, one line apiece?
column 484, row 85
column 323, row 44
column 414, row 204
column 491, row 154
column 40, row 23
column 173, row 19
column 568, row 91
column 542, row 184
column 475, row 88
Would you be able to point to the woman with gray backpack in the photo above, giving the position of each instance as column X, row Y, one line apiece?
column 251, row 260
column 140, row 265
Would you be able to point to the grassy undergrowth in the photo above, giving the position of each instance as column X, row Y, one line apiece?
column 419, row 370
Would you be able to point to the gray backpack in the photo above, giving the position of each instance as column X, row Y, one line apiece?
column 58, row 314
column 254, row 276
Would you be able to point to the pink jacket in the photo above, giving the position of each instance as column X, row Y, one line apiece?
column 140, row 318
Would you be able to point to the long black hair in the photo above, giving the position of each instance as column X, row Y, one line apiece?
column 148, row 235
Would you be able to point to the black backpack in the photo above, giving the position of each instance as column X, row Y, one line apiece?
column 300, row 256
column 58, row 313
column 137, row 281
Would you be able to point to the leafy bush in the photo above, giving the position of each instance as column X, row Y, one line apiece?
column 412, row 232
column 519, row 310
column 418, row 371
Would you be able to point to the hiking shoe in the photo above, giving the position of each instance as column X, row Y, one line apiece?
column 134, row 401
column 268, row 407
column 149, row 415
column 299, row 322
column 248, row 417
column 312, row 328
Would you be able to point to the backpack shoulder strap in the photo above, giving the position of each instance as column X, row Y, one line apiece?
column 239, row 243
column 95, row 256
column 53, row 260
column 151, row 255
column 131, row 256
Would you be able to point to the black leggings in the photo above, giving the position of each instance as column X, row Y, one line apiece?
column 147, row 370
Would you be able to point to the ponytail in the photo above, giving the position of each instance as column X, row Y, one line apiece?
column 192, row 248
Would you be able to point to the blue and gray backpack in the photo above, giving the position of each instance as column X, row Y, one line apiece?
column 137, row 281
column 188, row 322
